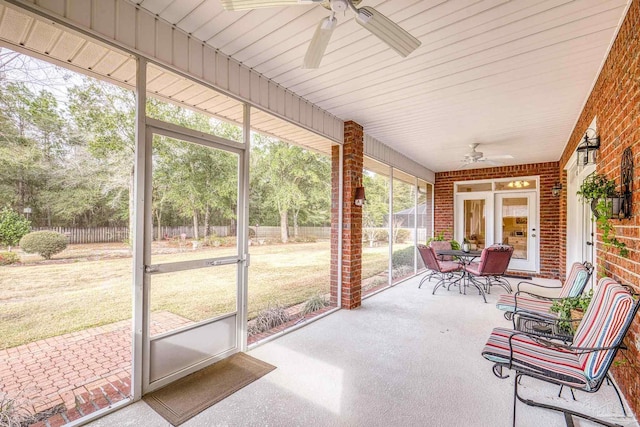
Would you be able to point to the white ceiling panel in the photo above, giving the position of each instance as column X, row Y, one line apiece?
column 510, row 75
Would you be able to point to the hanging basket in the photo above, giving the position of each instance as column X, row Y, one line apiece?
column 614, row 206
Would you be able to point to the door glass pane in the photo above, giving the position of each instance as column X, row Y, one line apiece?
column 183, row 298
column 515, row 222
column 475, row 223
column 194, row 201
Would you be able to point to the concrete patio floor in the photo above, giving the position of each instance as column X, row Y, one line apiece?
column 405, row 358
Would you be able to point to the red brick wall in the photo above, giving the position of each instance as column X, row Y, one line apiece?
column 615, row 102
column 549, row 221
column 352, row 217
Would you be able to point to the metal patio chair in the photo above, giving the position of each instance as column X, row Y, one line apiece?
column 582, row 365
column 577, row 280
column 491, row 267
column 444, row 270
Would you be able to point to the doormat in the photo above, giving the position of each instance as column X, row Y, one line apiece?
column 188, row 396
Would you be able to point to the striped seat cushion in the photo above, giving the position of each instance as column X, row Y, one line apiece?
column 530, row 356
column 507, row 302
column 603, row 326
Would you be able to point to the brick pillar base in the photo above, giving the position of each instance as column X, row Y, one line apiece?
column 353, row 153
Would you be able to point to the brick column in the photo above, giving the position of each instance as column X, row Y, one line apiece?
column 351, row 218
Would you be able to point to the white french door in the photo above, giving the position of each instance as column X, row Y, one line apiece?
column 516, row 225
column 500, row 211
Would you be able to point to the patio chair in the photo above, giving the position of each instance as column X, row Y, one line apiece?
column 491, row 267
column 445, row 270
column 582, row 365
column 577, row 280
column 439, row 245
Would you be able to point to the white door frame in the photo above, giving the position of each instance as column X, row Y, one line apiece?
column 580, row 227
column 229, row 327
column 533, row 233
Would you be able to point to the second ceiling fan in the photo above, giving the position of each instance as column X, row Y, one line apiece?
column 375, row 22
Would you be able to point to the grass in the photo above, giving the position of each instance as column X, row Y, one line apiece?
column 76, row 291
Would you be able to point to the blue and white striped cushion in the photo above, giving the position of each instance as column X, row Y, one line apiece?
column 576, row 281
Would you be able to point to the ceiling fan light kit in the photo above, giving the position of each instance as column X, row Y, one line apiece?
column 370, row 19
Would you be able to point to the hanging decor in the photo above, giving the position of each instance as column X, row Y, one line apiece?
column 626, row 183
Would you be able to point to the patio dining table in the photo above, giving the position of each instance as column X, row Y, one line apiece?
column 464, row 258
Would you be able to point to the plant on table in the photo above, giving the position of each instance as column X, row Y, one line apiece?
column 564, row 306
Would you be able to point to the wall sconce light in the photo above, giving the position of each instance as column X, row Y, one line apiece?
column 359, row 198
column 588, row 148
column 557, row 189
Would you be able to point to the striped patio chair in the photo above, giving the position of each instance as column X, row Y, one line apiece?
column 584, row 364
column 539, row 305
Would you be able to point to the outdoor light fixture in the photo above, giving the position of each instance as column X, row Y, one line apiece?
column 588, row 148
column 557, row 189
column 386, row 30
column 518, row 184
column 319, row 42
column 359, row 199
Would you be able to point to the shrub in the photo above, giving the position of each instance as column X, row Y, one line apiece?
column 403, row 257
column 401, row 271
column 44, row 243
column 8, row 258
column 13, row 227
column 382, row 236
column 315, row 303
column 402, row 235
column 269, row 318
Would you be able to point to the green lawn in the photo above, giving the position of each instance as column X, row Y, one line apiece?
column 74, row 292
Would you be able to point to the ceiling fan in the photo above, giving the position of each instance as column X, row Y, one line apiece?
column 375, row 22
column 474, row 156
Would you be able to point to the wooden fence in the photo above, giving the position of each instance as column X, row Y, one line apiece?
column 121, row 234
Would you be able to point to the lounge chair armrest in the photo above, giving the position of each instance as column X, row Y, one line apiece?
column 518, row 293
column 537, row 285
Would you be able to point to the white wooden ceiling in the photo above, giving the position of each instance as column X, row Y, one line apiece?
column 510, row 75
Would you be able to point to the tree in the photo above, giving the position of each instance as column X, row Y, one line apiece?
column 13, row 227
column 290, row 179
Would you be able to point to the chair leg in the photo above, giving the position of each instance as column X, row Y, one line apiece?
column 440, row 283
column 615, row 388
column 478, row 286
column 568, row 414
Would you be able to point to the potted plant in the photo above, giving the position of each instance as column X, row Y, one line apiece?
column 605, row 203
column 570, row 310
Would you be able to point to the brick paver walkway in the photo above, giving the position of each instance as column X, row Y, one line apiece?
column 84, row 371
column 75, row 374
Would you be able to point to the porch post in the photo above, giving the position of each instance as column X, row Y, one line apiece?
column 353, row 153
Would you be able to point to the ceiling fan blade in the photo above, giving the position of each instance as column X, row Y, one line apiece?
column 499, row 156
column 386, row 30
column 257, row 4
column 319, row 42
